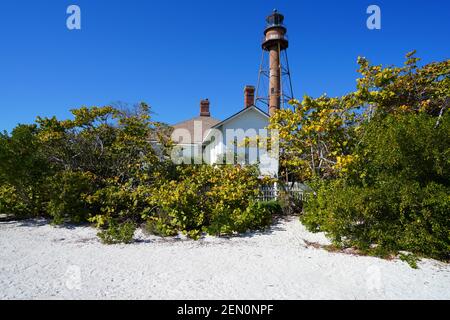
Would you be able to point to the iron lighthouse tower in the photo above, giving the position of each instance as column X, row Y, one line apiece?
column 274, row 87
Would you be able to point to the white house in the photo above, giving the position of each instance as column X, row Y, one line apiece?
column 207, row 139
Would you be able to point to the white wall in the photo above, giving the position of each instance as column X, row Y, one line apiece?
column 247, row 124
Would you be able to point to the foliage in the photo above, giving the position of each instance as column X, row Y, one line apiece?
column 273, row 206
column 318, row 136
column 117, row 233
column 111, row 167
column 314, row 134
column 100, row 165
column 11, row 203
column 119, row 201
column 112, row 154
column 67, row 192
column 404, row 89
column 258, row 215
column 107, row 142
column 397, row 197
column 377, row 159
column 160, row 227
column 23, row 170
column 410, row 259
column 215, row 199
column 288, row 201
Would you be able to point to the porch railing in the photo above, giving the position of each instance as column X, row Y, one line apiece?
column 296, row 190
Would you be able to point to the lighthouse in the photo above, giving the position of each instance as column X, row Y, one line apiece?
column 274, row 65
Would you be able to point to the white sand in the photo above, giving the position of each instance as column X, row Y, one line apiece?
column 39, row 261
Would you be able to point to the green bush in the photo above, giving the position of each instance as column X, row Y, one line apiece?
column 258, row 215
column 67, row 200
column 273, row 206
column 11, row 203
column 183, row 202
column 410, row 259
column 117, row 233
column 102, row 167
column 160, row 227
column 23, row 171
column 397, row 197
column 122, row 201
column 214, row 199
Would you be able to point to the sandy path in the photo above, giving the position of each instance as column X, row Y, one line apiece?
column 39, row 261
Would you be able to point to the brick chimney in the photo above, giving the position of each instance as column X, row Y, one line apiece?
column 204, row 108
column 249, row 96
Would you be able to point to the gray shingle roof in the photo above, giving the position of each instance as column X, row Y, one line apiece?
column 207, row 123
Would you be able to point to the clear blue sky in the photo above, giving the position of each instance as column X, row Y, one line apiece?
column 172, row 53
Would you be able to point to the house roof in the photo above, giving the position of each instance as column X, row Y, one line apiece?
column 253, row 107
column 237, row 114
column 206, row 124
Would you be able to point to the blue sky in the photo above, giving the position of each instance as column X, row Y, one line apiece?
column 173, row 53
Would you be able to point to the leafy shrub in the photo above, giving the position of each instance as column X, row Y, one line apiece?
column 118, row 201
column 397, row 197
column 10, row 202
column 289, row 204
column 68, row 191
column 160, row 227
column 182, row 201
column 410, row 259
column 117, row 233
column 214, row 199
column 23, row 170
column 258, row 215
column 101, row 167
column 273, row 206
